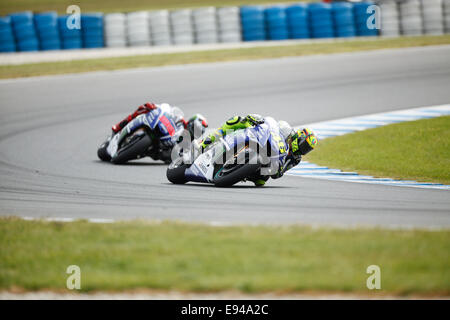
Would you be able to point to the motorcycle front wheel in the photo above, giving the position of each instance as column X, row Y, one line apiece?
column 134, row 149
column 175, row 171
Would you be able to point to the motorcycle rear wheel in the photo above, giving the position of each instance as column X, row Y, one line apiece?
column 237, row 173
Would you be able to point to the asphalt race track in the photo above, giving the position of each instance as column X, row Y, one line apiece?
column 50, row 128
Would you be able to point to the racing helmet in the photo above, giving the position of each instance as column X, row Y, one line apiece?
column 178, row 116
column 303, row 141
column 197, row 125
column 285, row 129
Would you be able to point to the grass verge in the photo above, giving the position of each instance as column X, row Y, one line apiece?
column 8, row 6
column 414, row 150
column 76, row 66
column 188, row 257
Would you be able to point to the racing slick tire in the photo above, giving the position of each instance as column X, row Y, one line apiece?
column 238, row 173
column 133, row 150
column 175, row 172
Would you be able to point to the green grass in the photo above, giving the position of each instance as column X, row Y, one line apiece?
column 129, row 255
column 51, row 68
column 8, row 6
column 416, row 150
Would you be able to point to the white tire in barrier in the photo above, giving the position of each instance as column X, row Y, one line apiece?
column 433, row 22
column 229, row 24
column 115, row 43
column 138, row 28
column 114, row 30
column 411, row 17
column 447, row 15
column 390, row 22
column 230, row 37
column 183, row 40
column 112, row 18
column 205, row 25
column 160, row 28
column 161, row 41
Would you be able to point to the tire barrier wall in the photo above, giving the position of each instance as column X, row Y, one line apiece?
column 115, row 30
column 7, row 42
column 24, row 31
column 447, row 15
column 47, row 30
column 70, row 38
column 92, row 30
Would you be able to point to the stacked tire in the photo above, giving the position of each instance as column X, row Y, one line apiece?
column 362, row 13
column 205, row 25
column 138, row 29
column 92, row 30
column 390, row 21
column 344, row 20
column 160, row 28
column 229, row 23
column 24, row 31
column 298, row 21
column 433, row 22
column 115, row 30
column 253, row 23
column 47, row 30
column 321, row 20
column 70, row 37
column 411, row 22
column 181, row 25
column 447, row 15
column 276, row 22
column 7, row 43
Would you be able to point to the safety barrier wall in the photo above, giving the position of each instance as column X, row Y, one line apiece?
column 25, row 31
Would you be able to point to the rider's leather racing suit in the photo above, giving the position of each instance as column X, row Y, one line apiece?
column 249, row 121
column 170, row 115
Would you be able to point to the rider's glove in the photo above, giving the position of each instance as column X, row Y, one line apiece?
column 254, row 119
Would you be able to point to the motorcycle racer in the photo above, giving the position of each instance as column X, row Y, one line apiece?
column 299, row 142
column 173, row 125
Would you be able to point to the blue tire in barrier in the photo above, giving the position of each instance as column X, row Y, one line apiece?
column 92, row 30
column 50, row 45
column 253, row 23
column 276, row 22
column 21, row 17
column 298, row 21
column 344, row 20
column 70, row 38
column 72, row 44
column 321, row 21
column 28, row 45
column 24, row 31
column 7, row 47
column 361, row 18
column 7, row 41
column 92, row 20
column 48, row 30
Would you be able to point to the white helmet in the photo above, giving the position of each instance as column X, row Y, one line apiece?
column 285, row 129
